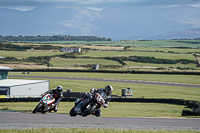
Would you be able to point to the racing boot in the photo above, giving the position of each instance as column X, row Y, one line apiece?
column 97, row 113
column 56, row 108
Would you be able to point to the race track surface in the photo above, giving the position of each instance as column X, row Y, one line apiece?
column 23, row 120
column 116, row 80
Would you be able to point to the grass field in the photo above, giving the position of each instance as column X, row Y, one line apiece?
column 63, row 62
column 150, row 43
column 115, row 109
column 26, row 54
column 157, row 49
column 160, row 49
column 167, row 66
column 136, row 53
column 139, row 90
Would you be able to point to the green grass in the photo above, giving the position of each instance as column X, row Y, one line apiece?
column 165, row 49
column 139, row 90
column 136, row 53
column 115, row 109
column 142, row 48
column 168, row 43
column 187, row 79
column 167, row 66
column 152, row 43
column 26, row 54
column 63, row 62
column 82, row 130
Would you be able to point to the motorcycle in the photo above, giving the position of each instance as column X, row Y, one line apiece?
column 45, row 104
column 88, row 105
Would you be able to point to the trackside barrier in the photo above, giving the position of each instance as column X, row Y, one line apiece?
column 194, row 105
column 73, row 94
column 104, row 71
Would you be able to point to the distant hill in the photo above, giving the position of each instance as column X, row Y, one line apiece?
column 188, row 34
column 113, row 21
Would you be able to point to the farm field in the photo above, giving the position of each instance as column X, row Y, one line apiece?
column 167, row 50
column 139, row 65
column 63, row 62
column 96, row 52
column 135, row 53
column 139, row 43
column 26, row 54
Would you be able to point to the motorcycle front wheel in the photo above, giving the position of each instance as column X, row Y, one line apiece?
column 87, row 112
column 72, row 113
column 37, row 108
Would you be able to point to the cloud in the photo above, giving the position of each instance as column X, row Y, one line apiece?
column 20, row 8
column 82, row 21
column 196, row 5
column 95, row 9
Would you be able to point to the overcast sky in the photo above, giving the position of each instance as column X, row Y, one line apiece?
column 25, row 5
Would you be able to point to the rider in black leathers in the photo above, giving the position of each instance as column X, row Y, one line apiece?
column 57, row 94
column 108, row 90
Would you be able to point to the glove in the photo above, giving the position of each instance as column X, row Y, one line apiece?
column 105, row 105
column 92, row 91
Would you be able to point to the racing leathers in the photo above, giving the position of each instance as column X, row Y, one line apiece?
column 57, row 95
column 107, row 99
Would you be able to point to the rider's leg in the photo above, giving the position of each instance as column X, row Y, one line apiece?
column 97, row 113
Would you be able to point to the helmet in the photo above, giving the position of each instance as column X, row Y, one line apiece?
column 109, row 89
column 59, row 88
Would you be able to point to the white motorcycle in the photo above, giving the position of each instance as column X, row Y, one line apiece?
column 45, row 104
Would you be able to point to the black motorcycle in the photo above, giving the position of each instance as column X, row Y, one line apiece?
column 88, row 105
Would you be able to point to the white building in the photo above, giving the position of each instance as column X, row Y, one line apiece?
column 23, row 88
column 72, row 49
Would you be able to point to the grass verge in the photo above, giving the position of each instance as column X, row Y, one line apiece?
column 81, row 130
column 115, row 109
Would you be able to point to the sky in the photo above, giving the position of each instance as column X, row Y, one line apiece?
column 26, row 5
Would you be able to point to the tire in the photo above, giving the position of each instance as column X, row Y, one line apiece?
column 37, row 108
column 89, row 111
column 72, row 113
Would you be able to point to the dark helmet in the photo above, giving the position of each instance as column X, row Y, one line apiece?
column 59, row 88
column 108, row 89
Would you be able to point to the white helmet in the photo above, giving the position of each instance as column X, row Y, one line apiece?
column 109, row 89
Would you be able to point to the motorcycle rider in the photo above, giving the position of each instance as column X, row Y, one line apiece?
column 108, row 90
column 57, row 94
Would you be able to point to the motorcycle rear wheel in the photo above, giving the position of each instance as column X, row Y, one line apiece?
column 72, row 113
column 89, row 111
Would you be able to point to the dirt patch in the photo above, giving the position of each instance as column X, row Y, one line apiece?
column 31, row 66
column 23, row 66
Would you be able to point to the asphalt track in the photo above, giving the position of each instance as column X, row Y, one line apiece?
column 116, row 80
column 23, row 120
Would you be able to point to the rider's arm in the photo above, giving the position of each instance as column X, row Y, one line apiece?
column 59, row 99
column 46, row 93
column 93, row 90
column 107, row 102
